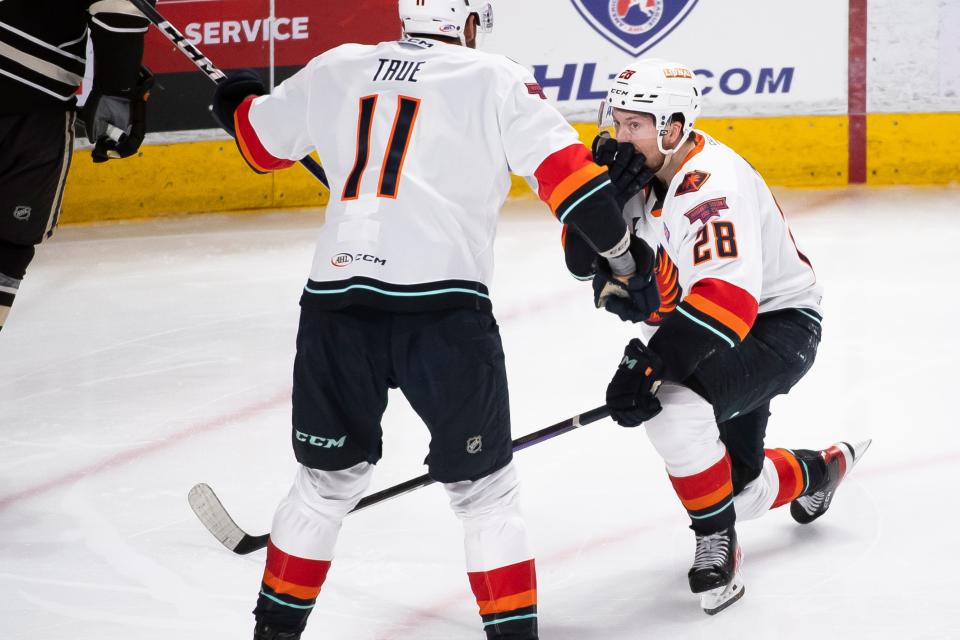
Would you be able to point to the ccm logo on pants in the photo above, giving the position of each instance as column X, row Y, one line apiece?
column 317, row 441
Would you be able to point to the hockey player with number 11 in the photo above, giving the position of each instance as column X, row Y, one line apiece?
column 740, row 322
column 418, row 138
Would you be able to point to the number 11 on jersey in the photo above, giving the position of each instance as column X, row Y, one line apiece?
column 396, row 151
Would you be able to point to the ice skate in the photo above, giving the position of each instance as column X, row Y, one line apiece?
column 715, row 573
column 840, row 459
column 264, row 632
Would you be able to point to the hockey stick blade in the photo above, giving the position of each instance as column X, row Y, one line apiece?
column 215, row 518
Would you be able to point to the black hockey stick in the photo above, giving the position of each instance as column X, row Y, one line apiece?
column 215, row 518
column 208, row 68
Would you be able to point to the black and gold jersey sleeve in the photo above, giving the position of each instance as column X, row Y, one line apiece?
column 117, row 30
column 43, row 50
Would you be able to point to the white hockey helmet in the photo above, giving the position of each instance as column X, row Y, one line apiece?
column 656, row 87
column 444, row 17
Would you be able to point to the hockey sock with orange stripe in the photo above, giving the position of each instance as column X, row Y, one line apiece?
column 800, row 472
column 507, row 598
column 289, row 589
column 708, row 497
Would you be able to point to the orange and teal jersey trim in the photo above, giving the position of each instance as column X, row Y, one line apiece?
column 252, row 150
column 569, row 177
column 699, row 142
column 506, row 596
column 726, row 309
column 714, row 315
column 290, row 581
column 708, row 496
column 792, row 473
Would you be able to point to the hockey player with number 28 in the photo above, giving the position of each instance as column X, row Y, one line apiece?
column 418, row 138
column 740, row 322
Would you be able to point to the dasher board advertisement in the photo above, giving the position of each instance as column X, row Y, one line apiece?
column 752, row 57
column 279, row 36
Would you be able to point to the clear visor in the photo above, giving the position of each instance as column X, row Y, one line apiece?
column 632, row 124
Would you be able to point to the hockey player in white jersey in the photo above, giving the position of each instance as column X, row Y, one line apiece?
column 740, row 322
column 418, row 138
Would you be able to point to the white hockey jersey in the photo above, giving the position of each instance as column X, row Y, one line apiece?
column 725, row 253
column 418, row 139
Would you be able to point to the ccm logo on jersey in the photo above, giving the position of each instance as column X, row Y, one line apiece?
column 343, row 259
column 706, row 210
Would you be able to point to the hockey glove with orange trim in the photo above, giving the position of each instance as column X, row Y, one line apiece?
column 236, row 88
column 632, row 394
column 628, row 168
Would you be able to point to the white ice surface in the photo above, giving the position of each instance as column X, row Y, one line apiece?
column 142, row 358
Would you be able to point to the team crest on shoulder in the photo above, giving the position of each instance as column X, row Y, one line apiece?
column 706, row 210
column 692, row 182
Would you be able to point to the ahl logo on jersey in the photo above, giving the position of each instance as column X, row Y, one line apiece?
column 344, row 259
column 634, row 25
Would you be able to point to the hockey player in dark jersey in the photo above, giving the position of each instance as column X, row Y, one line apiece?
column 43, row 46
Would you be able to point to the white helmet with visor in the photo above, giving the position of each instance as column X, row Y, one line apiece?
column 658, row 88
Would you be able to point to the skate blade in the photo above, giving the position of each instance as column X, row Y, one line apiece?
column 716, row 600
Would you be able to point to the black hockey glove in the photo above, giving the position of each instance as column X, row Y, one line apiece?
column 636, row 299
column 628, row 169
column 579, row 256
column 236, row 88
column 115, row 125
column 632, row 394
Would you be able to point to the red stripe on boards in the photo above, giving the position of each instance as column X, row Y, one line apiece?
column 857, row 93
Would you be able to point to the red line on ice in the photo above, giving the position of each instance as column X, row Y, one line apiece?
column 207, row 426
column 135, row 453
